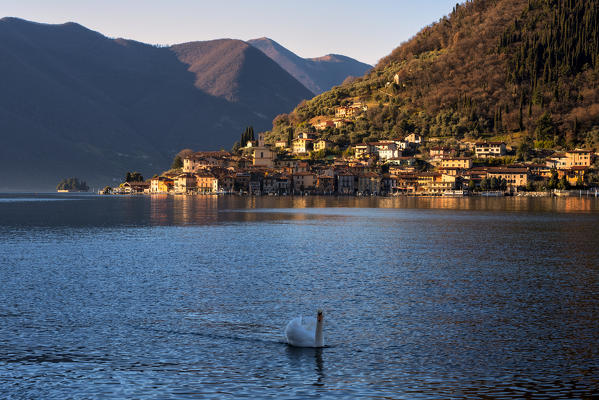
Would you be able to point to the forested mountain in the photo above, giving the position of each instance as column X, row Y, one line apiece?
column 317, row 74
column 525, row 70
column 76, row 103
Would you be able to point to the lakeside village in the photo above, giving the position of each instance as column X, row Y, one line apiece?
column 406, row 166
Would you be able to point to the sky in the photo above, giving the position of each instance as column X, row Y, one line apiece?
column 365, row 30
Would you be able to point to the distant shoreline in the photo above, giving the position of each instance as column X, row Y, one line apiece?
column 557, row 194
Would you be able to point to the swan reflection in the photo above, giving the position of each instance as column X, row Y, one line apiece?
column 302, row 357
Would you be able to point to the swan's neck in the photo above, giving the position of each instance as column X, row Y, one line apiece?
column 318, row 337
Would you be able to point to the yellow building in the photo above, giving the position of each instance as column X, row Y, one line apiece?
column 263, row 157
column 445, row 184
column 578, row 158
column 573, row 174
column 322, row 144
column 301, row 145
column 161, row 184
column 362, row 150
column 439, row 153
column 457, row 162
column 406, row 183
column 413, row 138
column 347, row 112
column 206, row 182
column 515, row 177
column 426, row 181
column 185, row 183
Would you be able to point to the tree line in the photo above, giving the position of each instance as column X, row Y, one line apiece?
column 72, row 184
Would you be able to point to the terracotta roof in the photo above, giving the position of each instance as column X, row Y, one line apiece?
column 578, row 168
column 476, row 172
column 537, row 166
column 495, row 170
column 429, row 174
column 370, row 175
column 303, row 173
column 381, row 143
column 205, row 175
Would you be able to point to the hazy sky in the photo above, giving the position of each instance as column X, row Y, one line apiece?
column 366, row 30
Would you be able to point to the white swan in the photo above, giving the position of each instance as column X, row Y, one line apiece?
column 305, row 332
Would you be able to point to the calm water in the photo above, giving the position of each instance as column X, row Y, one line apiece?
column 187, row 297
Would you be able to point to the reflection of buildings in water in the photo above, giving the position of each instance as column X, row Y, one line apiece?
column 572, row 255
column 575, row 204
column 200, row 209
column 159, row 209
column 251, row 202
column 448, row 203
column 422, row 202
column 500, row 204
column 549, row 204
column 299, row 202
column 574, row 237
column 204, row 209
column 390, row 202
column 183, row 209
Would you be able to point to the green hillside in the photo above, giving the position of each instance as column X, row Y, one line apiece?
column 522, row 70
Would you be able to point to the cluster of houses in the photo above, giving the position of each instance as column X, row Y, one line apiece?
column 384, row 167
column 343, row 115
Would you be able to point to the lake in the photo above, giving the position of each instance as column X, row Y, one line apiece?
column 188, row 297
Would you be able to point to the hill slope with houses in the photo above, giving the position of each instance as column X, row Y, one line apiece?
column 499, row 97
column 388, row 167
column 521, row 71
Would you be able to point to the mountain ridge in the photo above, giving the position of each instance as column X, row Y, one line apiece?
column 80, row 104
column 318, row 74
